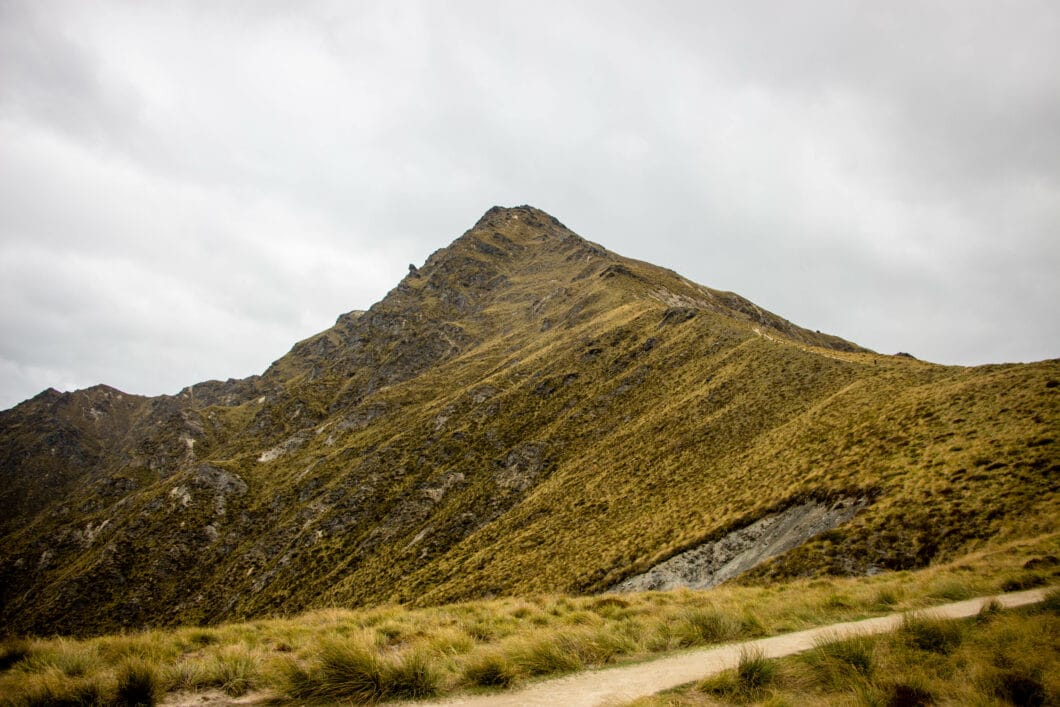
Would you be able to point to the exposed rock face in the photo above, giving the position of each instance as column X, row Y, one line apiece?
column 525, row 412
column 714, row 562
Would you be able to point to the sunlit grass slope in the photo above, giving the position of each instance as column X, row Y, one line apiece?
column 529, row 413
column 394, row 652
column 1000, row 657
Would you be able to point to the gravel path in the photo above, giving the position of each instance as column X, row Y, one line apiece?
column 617, row 685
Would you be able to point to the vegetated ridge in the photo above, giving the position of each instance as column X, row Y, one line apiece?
column 526, row 412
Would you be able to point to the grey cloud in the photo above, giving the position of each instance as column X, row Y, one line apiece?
column 887, row 172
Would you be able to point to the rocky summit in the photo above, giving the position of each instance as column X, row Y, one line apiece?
column 525, row 412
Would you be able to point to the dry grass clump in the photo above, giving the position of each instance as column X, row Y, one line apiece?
column 546, row 654
column 887, row 597
column 450, row 641
column 235, row 670
column 704, row 626
column 138, row 683
column 840, row 658
column 931, row 634
column 355, row 670
column 748, row 682
column 133, row 682
column 563, row 650
column 491, row 668
column 51, row 687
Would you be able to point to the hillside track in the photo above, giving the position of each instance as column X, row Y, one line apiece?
column 609, row 686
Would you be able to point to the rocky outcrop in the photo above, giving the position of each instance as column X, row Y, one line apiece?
column 719, row 560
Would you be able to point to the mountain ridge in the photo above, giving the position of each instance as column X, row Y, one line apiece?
column 526, row 411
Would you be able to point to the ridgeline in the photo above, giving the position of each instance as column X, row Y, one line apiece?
column 525, row 412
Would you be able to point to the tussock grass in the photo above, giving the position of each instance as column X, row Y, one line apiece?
column 186, row 675
column 565, row 649
column 547, row 654
column 235, row 670
column 955, row 589
column 51, row 687
column 703, row 626
column 855, row 654
column 450, row 641
column 747, row 682
column 394, row 652
column 13, row 650
column 1002, row 657
column 354, row 670
column 137, row 683
column 63, row 655
column 887, row 597
column 491, row 668
column 931, row 634
column 755, row 671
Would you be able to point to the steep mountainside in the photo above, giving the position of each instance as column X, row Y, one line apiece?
column 525, row 412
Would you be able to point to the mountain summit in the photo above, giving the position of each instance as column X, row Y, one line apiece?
column 525, row 412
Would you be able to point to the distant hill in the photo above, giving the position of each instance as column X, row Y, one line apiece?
column 526, row 412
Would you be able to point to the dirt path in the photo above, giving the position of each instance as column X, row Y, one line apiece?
column 617, row 685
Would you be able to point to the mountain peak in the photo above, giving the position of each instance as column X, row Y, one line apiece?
column 533, row 216
column 527, row 412
column 503, row 242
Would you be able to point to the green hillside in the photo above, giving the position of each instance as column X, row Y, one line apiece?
column 526, row 412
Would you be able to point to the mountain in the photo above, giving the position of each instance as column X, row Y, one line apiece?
column 526, row 412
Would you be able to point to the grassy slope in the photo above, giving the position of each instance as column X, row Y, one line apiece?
column 399, row 652
column 530, row 413
column 998, row 658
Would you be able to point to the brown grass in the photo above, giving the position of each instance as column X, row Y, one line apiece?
column 398, row 652
column 999, row 658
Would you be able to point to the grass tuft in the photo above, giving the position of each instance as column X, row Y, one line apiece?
column 13, row 650
column 748, row 681
column 953, row 589
column 138, row 683
column 887, row 597
column 698, row 627
column 931, row 634
column 755, row 671
column 856, row 654
column 411, row 676
column 547, row 653
column 52, row 688
column 203, row 637
column 295, row 680
column 235, row 671
column 490, row 669
column 450, row 641
column 352, row 670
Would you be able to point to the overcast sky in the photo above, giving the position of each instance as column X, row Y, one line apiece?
column 186, row 189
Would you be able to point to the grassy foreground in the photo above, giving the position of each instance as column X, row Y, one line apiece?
column 1000, row 657
column 393, row 652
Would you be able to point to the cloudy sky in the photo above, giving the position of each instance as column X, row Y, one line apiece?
column 187, row 188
